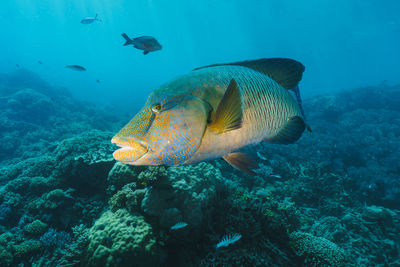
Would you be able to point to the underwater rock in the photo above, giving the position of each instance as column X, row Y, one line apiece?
column 330, row 228
column 22, row 78
column 120, row 175
column 128, row 198
column 74, row 251
column 30, row 106
column 170, row 217
column 54, row 199
column 6, row 257
column 53, row 239
column 120, row 239
column 378, row 215
column 317, row 251
column 27, row 248
column 186, row 188
column 84, row 161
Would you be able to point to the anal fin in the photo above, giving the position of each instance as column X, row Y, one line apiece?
column 290, row 132
column 241, row 161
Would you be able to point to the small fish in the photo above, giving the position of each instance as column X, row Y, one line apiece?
column 89, row 20
column 261, row 156
column 178, row 225
column 228, row 239
column 145, row 43
column 98, row 81
column 277, row 176
column 40, row 62
column 75, row 67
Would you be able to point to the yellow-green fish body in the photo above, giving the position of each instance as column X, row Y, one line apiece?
column 213, row 112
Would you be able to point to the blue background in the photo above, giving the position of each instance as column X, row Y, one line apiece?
column 343, row 43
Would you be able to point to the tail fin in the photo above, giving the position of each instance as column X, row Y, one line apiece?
column 97, row 18
column 296, row 91
column 128, row 40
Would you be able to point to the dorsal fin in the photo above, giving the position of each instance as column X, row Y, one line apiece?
column 290, row 132
column 287, row 72
column 229, row 113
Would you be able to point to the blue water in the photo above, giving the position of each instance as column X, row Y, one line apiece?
column 343, row 44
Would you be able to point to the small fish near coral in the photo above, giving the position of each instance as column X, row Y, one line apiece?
column 75, row 67
column 178, row 225
column 228, row 240
column 214, row 111
column 146, row 43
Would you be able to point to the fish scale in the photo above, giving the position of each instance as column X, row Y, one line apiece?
column 213, row 112
column 267, row 106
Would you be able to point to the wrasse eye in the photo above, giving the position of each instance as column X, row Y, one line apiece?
column 156, row 108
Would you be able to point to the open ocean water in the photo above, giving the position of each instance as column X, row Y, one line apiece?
column 199, row 133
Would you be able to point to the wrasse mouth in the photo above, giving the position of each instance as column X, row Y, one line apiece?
column 129, row 152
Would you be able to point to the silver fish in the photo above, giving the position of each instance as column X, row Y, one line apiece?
column 75, row 67
column 178, row 225
column 89, row 20
column 261, row 156
column 145, row 43
column 277, row 176
column 228, row 239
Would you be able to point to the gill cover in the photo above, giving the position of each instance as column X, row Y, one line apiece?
column 169, row 129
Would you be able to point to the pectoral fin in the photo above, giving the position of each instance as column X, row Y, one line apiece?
column 290, row 132
column 241, row 161
column 229, row 113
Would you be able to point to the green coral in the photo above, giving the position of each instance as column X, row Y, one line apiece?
column 74, row 251
column 128, row 198
column 51, row 200
column 121, row 238
column 36, row 228
column 27, row 248
column 120, row 175
column 6, row 258
column 317, row 251
column 151, row 174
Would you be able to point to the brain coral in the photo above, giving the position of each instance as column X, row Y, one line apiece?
column 188, row 189
column 122, row 239
column 317, row 251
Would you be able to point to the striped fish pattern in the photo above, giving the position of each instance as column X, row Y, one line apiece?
column 213, row 112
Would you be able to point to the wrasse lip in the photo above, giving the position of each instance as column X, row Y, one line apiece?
column 124, row 145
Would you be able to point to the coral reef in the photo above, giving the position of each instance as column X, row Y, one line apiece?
column 121, row 238
column 317, row 251
column 331, row 199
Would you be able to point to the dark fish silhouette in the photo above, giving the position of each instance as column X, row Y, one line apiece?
column 75, row 67
column 98, row 81
column 40, row 62
column 145, row 43
column 89, row 20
